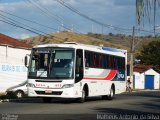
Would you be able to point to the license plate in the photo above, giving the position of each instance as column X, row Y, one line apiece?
column 48, row 91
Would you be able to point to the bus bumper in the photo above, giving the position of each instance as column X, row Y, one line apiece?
column 60, row 93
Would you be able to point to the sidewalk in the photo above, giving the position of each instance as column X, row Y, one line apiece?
column 137, row 90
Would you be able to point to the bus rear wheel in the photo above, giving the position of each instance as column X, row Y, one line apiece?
column 112, row 93
column 110, row 96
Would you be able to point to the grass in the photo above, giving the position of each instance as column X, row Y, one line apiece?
column 62, row 37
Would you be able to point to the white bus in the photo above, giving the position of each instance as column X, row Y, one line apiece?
column 73, row 70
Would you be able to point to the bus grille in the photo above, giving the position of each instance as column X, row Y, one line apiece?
column 52, row 93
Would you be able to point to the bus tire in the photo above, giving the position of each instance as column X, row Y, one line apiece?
column 83, row 97
column 112, row 93
column 47, row 100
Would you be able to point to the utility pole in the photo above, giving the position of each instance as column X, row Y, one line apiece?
column 62, row 27
column 155, row 18
column 72, row 29
column 102, row 33
column 102, row 29
column 92, row 27
column 131, row 57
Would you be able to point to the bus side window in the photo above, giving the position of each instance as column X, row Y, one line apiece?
column 79, row 66
column 87, row 59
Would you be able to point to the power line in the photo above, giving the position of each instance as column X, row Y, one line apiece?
column 10, row 23
column 13, row 22
column 47, row 10
column 67, row 5
column 28, row 20
column 91, row 19
column 48, row 14
column 147, row 31
column 51, row 13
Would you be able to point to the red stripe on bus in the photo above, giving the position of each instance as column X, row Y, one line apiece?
column 110, row 76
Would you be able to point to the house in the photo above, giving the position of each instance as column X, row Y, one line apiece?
column 12, row 69
column 145, row 77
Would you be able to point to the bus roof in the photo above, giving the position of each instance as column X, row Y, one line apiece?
column 114, row 49
column 109, row 50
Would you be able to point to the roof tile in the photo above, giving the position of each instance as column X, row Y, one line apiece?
column 12, row 41
column 141, row 68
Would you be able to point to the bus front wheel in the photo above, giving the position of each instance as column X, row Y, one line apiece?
column 83, row 97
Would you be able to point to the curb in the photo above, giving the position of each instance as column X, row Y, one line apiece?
column 147, row 90
column 17, row 100
column 4, row 100
column 14, row 100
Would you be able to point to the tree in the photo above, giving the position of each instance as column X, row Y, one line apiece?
column 146, row 8
column 150, row 54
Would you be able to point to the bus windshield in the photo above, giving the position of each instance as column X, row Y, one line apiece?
column 55, row 63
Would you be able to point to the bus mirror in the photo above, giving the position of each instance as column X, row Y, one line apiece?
column 26, row 60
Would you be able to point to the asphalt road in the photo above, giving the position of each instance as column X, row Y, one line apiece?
column 138, row 105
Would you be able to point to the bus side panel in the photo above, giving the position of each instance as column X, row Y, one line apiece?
column 96, row 88
column 120, row 86
column 100, row 81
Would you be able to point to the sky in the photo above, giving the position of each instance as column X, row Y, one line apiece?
column 24, row 18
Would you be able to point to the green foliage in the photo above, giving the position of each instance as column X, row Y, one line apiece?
column 111, row 34
column 95, row 35
column 150, row 54
column 45, row 38
column 66, row 39
column 146, row 8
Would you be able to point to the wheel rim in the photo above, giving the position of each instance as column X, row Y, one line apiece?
column 83, row 94
column 111, row 93
column 19, row 95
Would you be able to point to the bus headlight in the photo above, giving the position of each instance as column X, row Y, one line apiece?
column 67, row 85
column 30, row 85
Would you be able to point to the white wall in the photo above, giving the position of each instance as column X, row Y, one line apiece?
column 156, row 77
column 140, row 79
column 12, row 69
